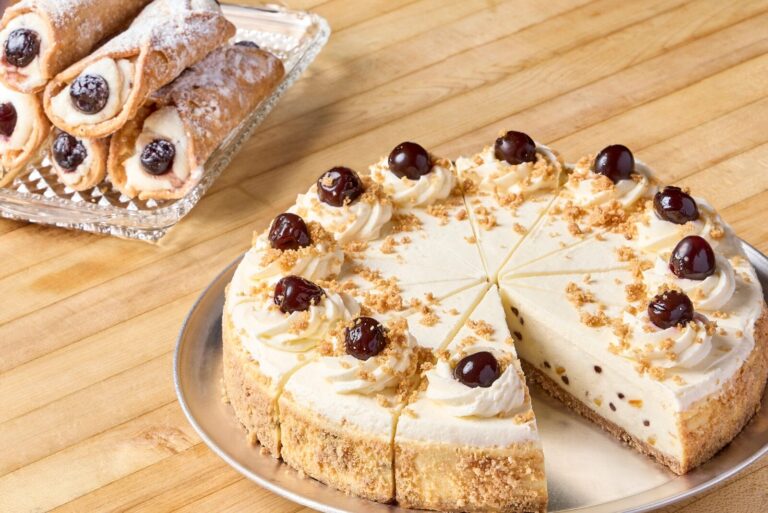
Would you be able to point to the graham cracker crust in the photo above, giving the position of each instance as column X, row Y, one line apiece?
column 708, row 426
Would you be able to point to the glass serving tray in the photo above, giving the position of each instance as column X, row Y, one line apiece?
column 37, row 196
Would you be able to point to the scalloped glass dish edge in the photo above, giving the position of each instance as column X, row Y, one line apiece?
column 297, row 37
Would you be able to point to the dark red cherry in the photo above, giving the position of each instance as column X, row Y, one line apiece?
column 247, row 44
column 339, row 186
column 21, row 47
column 295, row 294
column 68, row 151
column 692, row 258
column 477, row 370
column 158, row 156
column 8, row 118
column 289, row 231
column 672, row 308
column 515, row 148
column 673, row 205
column 409, row 160
column 365, row 339
column 616, row 162
column 89, row 93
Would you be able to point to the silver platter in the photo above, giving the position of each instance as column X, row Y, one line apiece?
column 587, row 470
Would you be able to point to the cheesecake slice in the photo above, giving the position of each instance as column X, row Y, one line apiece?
column 468, row 440
column 507, row 193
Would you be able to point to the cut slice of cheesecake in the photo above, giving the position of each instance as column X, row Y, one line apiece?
column 470, row 447
column 677, row 394
column 505, row 201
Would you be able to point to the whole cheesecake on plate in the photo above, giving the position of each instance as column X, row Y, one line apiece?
column 378, row 335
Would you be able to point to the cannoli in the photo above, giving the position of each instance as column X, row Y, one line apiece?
column 41, row 38
column 23, row 130
column 80, row 164
column 96, row 96
column 160, row 153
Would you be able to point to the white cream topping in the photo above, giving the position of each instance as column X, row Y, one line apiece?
column 162, row 124
column 359, row 220
column 588, row 188
column 296, row 331
column 711, row 293
column 505, row 396
column 32, row 72
column 323, row 261
column 676, row 347
column 655, row 234
column 26, row 106
column 119, row 77
column 499, row 176
column 347, row 374
column 434, row 186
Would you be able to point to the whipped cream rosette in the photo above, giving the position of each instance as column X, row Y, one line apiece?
column 98, row 95
column 80, row 164
column 711, row 293
column 493, row 175
column 40, row 38
column 588, row 188
column 349, row 206
column 368, row 374
column 23, row 129
column 412, row 177
column 505, row 396
column 160, row 153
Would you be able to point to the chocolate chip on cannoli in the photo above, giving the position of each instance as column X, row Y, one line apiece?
column 160, row 153
column 40, row 38
column 23, row 129
column 99, row 94
column 80, row 164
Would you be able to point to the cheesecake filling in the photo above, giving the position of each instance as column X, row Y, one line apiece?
column 497, row 176
column 711, row 293
column 361, row 220
column 30, row 75
column 655, row 234
column 588, row 189
column 162, row 125
column 105, row 93
column 504, row 397
column 348, row 374
column 319, row 261
column 434, row 186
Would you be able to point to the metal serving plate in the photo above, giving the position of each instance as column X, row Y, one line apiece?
column 36, row 195
column 587, row 470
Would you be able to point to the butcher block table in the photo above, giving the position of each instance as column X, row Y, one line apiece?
column 88, row 415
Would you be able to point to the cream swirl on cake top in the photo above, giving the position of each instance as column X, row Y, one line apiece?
column 436, row 184
column 656, row 234
column 493, row 175
column 320, row 260
column 677, row 347
column 360, row 369
column 360, row 210
column 709, row 294
column 505, row 396
column 587, row 188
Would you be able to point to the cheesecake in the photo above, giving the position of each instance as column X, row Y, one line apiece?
column 380, row 335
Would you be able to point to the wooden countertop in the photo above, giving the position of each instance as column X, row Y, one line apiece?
column 88, row 416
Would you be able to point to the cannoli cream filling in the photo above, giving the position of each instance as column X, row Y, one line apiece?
column 119, row 77
column 73, row 177
column 26, row 117
column 162, row 124
column 32, row 72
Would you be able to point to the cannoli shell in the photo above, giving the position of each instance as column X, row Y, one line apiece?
column 77, row 27
column 212, row 98
column 165, row 38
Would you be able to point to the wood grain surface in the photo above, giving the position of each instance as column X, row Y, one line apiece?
column 88, row 416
